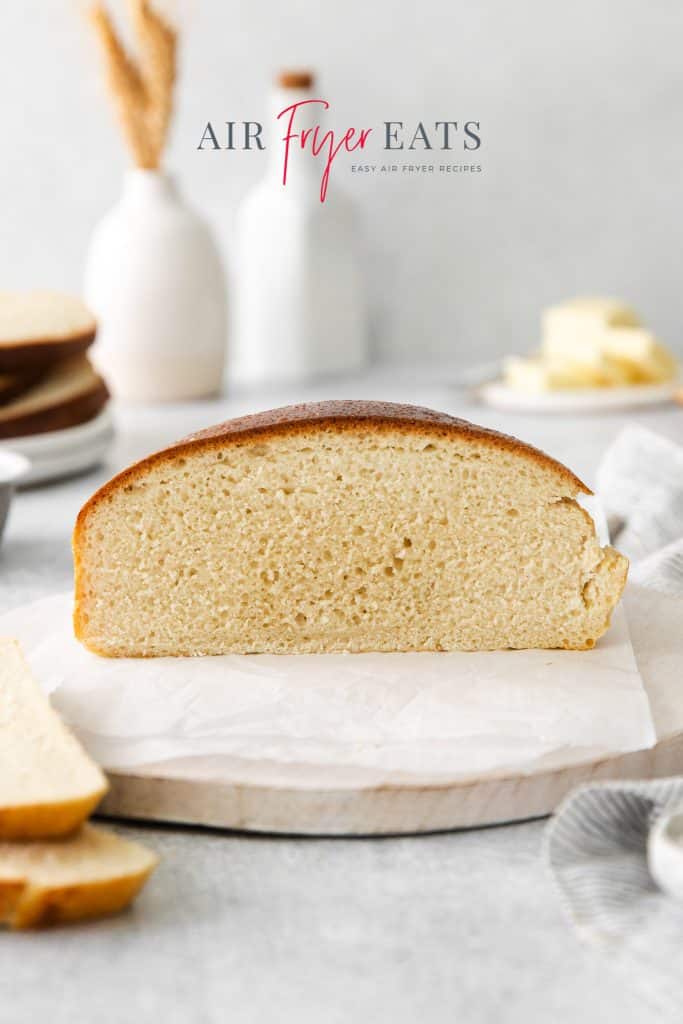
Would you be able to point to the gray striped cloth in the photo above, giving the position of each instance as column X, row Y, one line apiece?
column 596, row 847
column 596, row 844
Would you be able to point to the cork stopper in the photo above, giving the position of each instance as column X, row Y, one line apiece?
column 295, row 79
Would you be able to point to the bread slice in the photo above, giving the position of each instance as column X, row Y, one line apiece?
column 14, row 384
column 48, row 784
column 341, row 526
column 38, row 328
column 91, row 873
column 69, row 393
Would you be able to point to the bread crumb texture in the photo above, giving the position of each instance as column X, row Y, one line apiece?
column 48, row 784
column 89, row 874
column 343, row 527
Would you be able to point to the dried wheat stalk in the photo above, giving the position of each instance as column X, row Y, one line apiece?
column 142, row 90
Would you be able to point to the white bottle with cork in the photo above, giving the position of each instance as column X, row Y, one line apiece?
column 299, row 296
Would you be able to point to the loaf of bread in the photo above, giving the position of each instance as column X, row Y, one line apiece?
column 48, row 784
column 341, row 526
column 70, row 392
column 38, row 328
column 91, row 873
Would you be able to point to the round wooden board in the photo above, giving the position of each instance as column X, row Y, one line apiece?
column 357, row 811
column 345, row 799
column 216, row 793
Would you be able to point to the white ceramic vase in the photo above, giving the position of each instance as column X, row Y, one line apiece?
column 155, row 283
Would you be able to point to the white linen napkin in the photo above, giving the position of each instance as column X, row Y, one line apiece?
column 640, row 484
column 596, row 844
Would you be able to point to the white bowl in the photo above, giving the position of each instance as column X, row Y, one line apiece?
column 13, row 468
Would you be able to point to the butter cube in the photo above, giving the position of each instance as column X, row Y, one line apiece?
column 591, row 343
column 573, row 330
column 640, row 354
column 585, row 316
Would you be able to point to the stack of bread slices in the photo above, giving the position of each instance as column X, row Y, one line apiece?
column 47, row 382
column 54, row 866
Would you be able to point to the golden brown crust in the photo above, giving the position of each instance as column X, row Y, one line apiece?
column 12, row 385
column 25, row 906
column 11, row 891
column 48, row 821
column 350, row 415
column 91, row 873
column 42, row 352
column 70, row 413
column 344, row 415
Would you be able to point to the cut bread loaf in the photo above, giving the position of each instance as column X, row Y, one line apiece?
column 48, row 784
column 341, row 526
column 37, row 328
column 69, row 393
column 91, row 873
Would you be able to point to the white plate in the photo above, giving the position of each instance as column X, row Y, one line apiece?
column 60, row 453
column 500, row 396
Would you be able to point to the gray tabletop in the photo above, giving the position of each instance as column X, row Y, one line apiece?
column 462, row 926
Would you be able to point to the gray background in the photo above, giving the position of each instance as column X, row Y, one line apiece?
column 580, row 109
column 447, row 929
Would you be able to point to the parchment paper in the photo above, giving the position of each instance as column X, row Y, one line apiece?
column 381, row 716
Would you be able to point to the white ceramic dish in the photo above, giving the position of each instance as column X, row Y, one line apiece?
column 498, row 395
column 60, row 453
column 14, row 468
